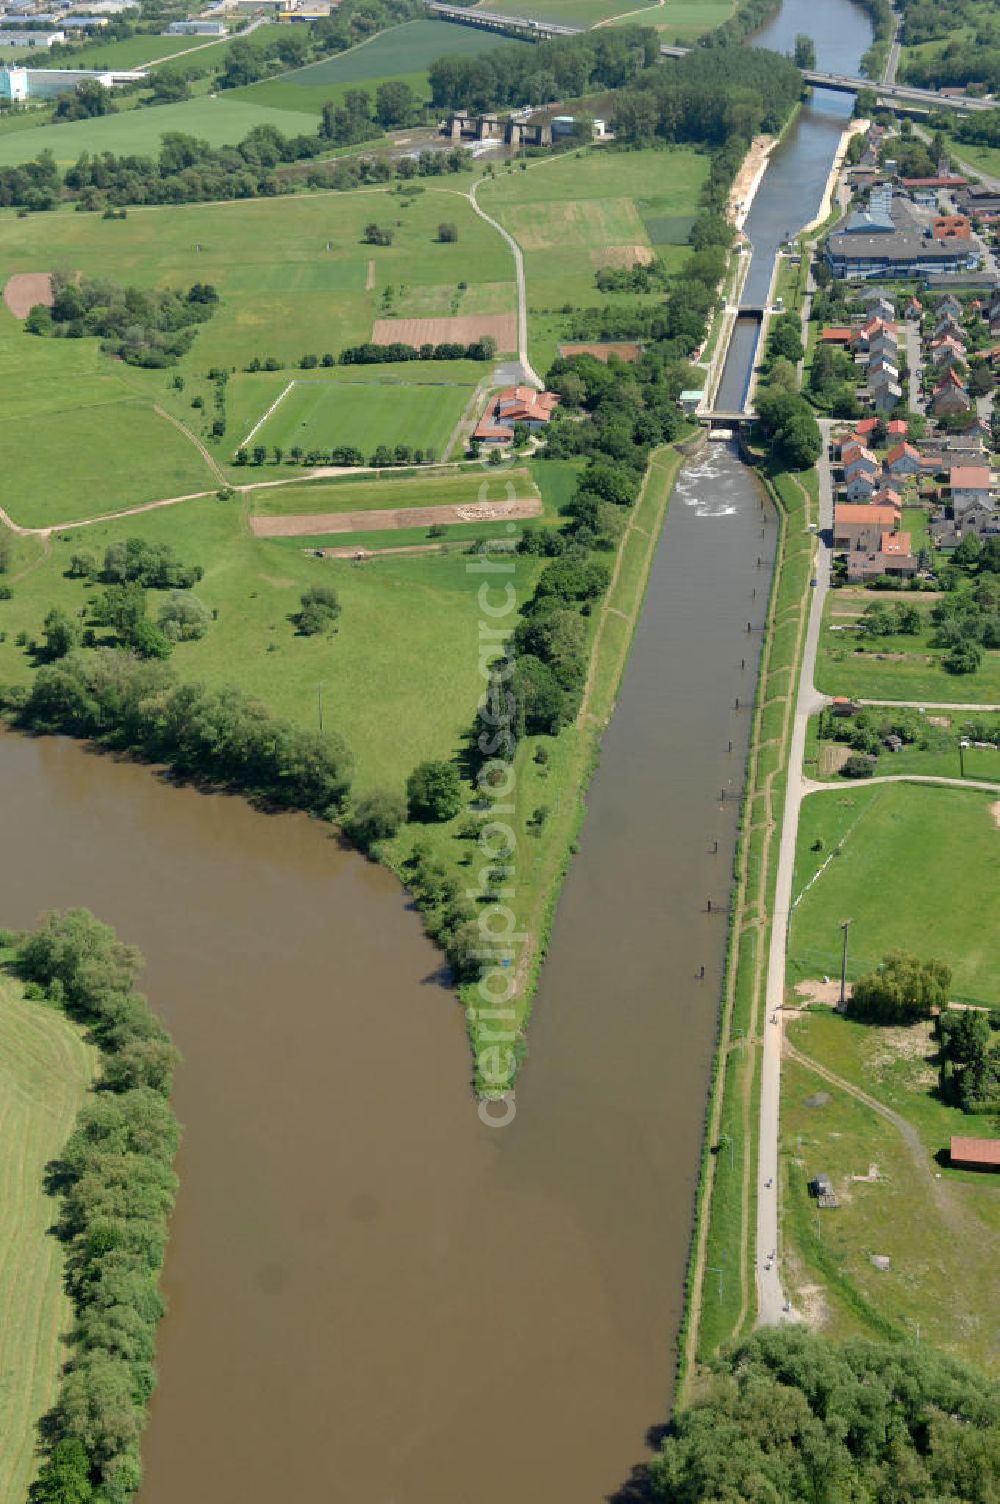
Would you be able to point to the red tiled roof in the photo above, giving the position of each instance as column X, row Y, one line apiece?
column 899, row 426
column 862, row 511
column 980, row 1151
column 970, row 478
column 897, row 544
column 836, row 335
column 899, row 451
column 942, row 182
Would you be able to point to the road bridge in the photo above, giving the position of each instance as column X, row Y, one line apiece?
column 840, row 83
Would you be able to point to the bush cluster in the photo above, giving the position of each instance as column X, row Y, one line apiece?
column 117, row 1190
column 141, row 327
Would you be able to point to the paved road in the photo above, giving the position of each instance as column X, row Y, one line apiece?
column 770, row 1294
column 892, row 61
column 529, row 374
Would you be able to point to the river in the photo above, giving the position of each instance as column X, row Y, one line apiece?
column 375, row 1299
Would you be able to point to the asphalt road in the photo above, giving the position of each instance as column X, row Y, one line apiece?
column 530, row 376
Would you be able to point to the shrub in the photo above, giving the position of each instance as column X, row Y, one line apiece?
column 434, row 791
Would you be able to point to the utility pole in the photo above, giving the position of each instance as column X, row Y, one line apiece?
column 961, row 756
column 843, row 965
column 319, row 703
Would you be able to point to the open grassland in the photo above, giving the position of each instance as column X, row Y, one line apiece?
column 77, row 462
column 298, row 286
column 221, row 120
column 939, row 1228
column 894, row 668
column 577, row 213
column 682, row 21
column 45, row 1071
column 403, row 52
column 911, row 867
column 583, row 13
column 400, row 677
column 322, row 414
column 385, row 491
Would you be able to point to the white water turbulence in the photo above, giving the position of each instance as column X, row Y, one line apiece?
column 702, row 484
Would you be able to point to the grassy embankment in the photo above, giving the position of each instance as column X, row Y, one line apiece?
column 45, row 1072
column 721, row 1276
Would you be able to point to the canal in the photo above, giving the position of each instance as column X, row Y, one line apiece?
column 374, row 1299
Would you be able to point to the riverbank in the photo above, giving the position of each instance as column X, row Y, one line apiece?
column 720, row 1286
column 748, row 179
column 856, row 127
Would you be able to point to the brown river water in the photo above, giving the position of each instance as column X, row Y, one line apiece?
column 374, row 1297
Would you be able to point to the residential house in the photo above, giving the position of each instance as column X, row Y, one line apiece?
column 871, row 329
column 837, row 335
column 866, row 428
column 948, row 304
column 943, row 180
column 915, row 309
column 885, row 496
column 515, row 404
column 949, row 396
column 970, row 485
column 898, row 428
column 862, row 526
column 861, row 486
column 885, row 399
column 946, row 353
column 878, row 306
column 902, row 460
column 884, row 344
column 863, row 462
column 946, row 325
column 976, row 425
column 881, row 371
column 893, row 556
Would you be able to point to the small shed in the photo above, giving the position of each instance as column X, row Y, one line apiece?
column 691, row 400
column 821, row 1186
column 975, row 1153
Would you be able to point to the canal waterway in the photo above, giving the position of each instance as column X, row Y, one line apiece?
column 374, row 1298
column 792, row 188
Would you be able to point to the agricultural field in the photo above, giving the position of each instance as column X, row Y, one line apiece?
column 303, row 283
column 683, row 21
column 858, row 855
column 45, row 1072
column 573, row 215
column 938, row 1228
column 386, row 490
column 323, row 414
column 403, row 52
column 582, row 13
column 220, row 119
column 131, row 52
column 893, row 668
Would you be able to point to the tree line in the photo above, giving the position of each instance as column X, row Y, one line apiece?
column 790, row 1415
column 563, row 68
column 116, row 1189
column 711, row 96
column 220, row 737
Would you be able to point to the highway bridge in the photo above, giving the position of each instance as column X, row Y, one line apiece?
column 840, row 83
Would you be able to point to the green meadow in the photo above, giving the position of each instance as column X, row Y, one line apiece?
column 894, row 668
column 576, row 213
column 875, row 850
column 45, row 1072
column 81, row 429
column 403, row 52
column 582, row 13
column 221, row 120
column 387, row 490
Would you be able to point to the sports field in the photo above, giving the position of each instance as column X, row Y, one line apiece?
column 45, row 1070
column 880, row 880
column 403, row 52
column 323, row 414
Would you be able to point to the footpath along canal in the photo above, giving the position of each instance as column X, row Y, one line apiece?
column 373, row 1297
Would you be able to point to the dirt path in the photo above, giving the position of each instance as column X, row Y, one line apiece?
column 370, row 278
column 193, row 438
